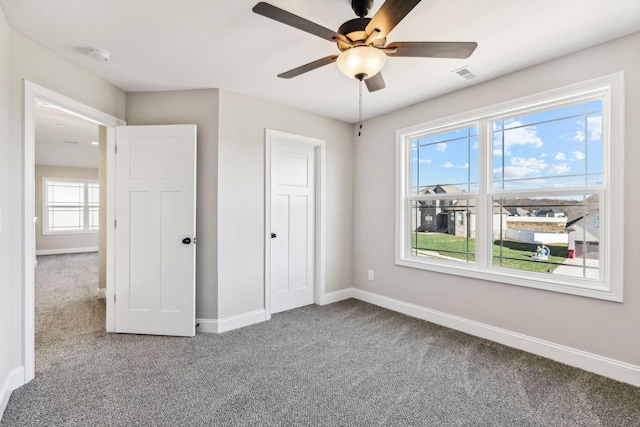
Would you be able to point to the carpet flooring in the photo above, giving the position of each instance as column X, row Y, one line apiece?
column 345, row 364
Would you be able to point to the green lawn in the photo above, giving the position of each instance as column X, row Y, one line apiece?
column 516, row 255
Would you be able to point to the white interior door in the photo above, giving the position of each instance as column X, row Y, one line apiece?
column 155, row 230
column 292, row 216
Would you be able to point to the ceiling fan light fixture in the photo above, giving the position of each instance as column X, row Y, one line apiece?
column 361, row 62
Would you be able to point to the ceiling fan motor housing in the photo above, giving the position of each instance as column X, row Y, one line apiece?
column 354, row 30
column 361, row 7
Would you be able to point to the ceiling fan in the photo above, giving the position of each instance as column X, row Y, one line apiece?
column 363, row 41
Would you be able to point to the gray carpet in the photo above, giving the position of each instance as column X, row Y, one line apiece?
column 345, row 364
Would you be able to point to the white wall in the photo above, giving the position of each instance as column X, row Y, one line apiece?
column 199, row 107
column 21, row 59
column 241, row 174
column 604, row 328
column 61, row 242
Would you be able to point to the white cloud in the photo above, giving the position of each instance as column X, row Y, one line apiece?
column 465, row 166
column 577, row 155
column 543, row 155
column 594, row 124
column 559, row 169
column 425, row 160
column 560, row 156
column 530, row 162
column 447, row 165
column 521, row 167
column 511, row 172
column 441, row 147
column 516, row 135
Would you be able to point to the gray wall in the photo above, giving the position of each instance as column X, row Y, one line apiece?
column 199, row 107
column 10, row 289
column 230, row 210
column 241, row 173
column 605, row 328
column 26, row 60
column 60, row 242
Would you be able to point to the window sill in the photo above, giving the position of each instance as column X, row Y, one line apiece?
column 580, row 287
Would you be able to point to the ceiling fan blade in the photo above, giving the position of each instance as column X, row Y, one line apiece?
column 375, row 83
column 309, row 67
column 390, row 13
column 281, row 15
column 459, row 50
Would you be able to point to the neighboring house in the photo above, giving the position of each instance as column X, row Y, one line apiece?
column 584, row 235
column 457, row 217
column 517, row 211
column 551, row 213
column 433, row 213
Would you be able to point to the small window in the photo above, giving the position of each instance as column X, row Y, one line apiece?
column 70, row 206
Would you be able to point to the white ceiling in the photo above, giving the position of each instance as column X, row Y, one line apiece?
column 63, row 139
column 190, row 44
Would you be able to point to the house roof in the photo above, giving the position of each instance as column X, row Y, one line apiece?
column 572, row 222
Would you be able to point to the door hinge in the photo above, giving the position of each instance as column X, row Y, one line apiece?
column 115, row 223
column 116, row 149
column 114, row 298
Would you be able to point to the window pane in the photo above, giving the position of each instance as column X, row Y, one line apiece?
column 94, row 194
column 445, row 159
column 554, row 148
column 94, row 219
column 444, row 229
column 554, row 235
column 66, row 193
column 71, row 219
column 72, row 206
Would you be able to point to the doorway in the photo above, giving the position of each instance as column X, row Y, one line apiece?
column 32, row 94
column 294, row 221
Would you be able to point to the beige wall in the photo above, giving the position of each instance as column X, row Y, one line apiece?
column 199, row 107
column 241, row 227
column 26, row 60
column 600, row 327
column 60, row 242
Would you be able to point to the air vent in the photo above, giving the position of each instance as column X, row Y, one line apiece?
column 466, row 72
column 72, row 142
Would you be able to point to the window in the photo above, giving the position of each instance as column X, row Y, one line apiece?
column 516, row 192
column 70, row 206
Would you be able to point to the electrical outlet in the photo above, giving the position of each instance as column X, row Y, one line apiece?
column 370, row 274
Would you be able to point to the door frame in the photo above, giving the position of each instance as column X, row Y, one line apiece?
column 320, row 222
column 32, row 92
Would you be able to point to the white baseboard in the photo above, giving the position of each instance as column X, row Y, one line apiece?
column 217, row 326
column 101, row 293
column 611, row 368
column 336, row 296
column 65, row 251
column 15, row 379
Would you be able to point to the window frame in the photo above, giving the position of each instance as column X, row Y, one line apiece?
column 609, row 287
column 46, row 231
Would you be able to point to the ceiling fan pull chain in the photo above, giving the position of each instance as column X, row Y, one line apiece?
column 360, row 109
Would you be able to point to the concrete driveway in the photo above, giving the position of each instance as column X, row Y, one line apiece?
column 574, row 267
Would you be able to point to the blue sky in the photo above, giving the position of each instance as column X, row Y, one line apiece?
column 551, row 149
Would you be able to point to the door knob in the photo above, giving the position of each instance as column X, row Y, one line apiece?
column 186, row 240
column 274, row 235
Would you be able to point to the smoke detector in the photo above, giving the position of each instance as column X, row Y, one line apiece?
column 99, row 54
